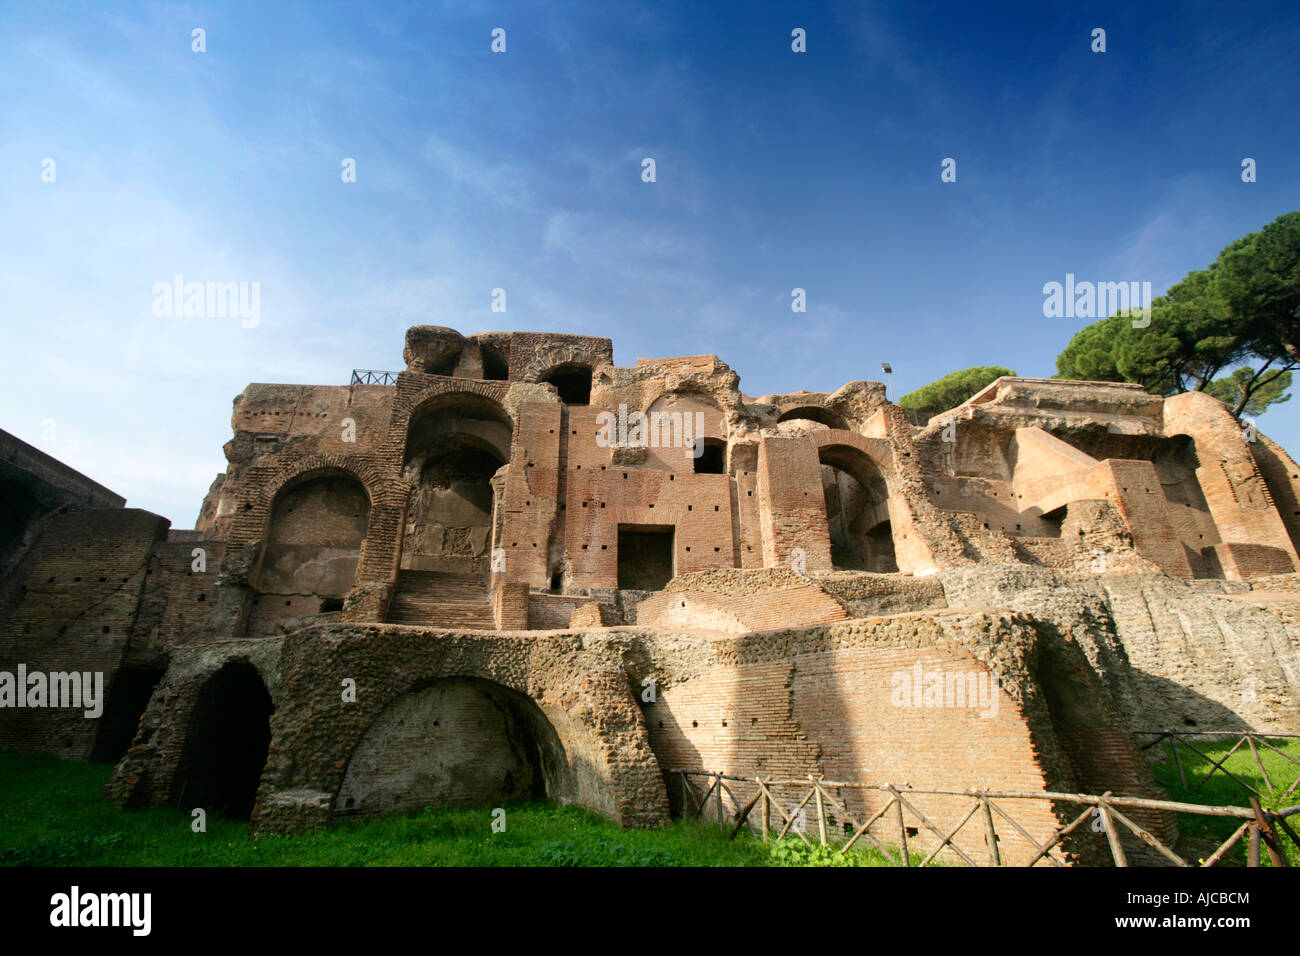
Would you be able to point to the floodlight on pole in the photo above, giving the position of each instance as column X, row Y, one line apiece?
column 889, row 370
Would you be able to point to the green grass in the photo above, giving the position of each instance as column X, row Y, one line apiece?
column 1220, row 790
column 52, row 814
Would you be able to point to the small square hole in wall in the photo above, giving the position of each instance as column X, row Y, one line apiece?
column 604, row 547
column 106, row 629
column 715, row 507
column 602, row 504
column 687, row 550
column 584, row 547
column 692, row 508
column 672, row 477
column 717, row 549
column 287, row 603
column 749, row 494
column 203, row 597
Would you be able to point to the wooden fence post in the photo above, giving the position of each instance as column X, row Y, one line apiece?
column 990, row 834
column 1112, row 832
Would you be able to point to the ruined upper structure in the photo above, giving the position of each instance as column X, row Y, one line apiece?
column 518, row 457
column 503, row 544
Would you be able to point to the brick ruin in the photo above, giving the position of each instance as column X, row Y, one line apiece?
column 524, row 571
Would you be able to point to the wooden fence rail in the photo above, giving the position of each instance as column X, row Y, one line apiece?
column 1261, row 825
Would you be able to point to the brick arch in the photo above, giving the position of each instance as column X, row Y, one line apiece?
column 414, row 396
column 813, row 412
column 252, row 522
column 585, row 699
column 856, row 454
column 875, row 450
column 554, row 357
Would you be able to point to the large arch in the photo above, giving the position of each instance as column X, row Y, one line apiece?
column 599, row 756
column 226, row 743
column 676, row 414
column 316, row 531
column 859, row 504
column 455, row 742
column 455, row 443
column 814, row 413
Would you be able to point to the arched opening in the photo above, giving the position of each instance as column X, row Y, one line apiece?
column 495, row 366
column 572, row 382
column 226, row 746
column 127, row 699
column 857, row 511
column 313, row 546
column 458, row 742
column 454, row 447
column 712, row 459
column 814, row 413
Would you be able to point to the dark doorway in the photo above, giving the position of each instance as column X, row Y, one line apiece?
column 713, row 459
column 645, row 557
column 225, row 750
column 572, row 382
column 127, row 699
column 495, row 367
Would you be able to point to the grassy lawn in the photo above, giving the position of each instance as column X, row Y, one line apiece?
column 51, row 814
column 1220, row 790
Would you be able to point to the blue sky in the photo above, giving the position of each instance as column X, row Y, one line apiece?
column 522, row 171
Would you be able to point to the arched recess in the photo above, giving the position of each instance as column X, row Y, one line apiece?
column 604, row 762
column 226, row 743
column 814, row 413
column 455, row 742
column 313, row 545
column 572, row 380
column 678, row 421
column 858, row 507
column 455, row 443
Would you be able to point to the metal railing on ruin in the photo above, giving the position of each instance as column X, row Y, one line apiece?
column 1249, row 738
column 370, row 376
column 1260, row 826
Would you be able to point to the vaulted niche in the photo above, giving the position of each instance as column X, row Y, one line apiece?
column 459, row 742
column 814, row 413
column 455, row 444
column 857, row 511
column 312, row 549
column 572, row 382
